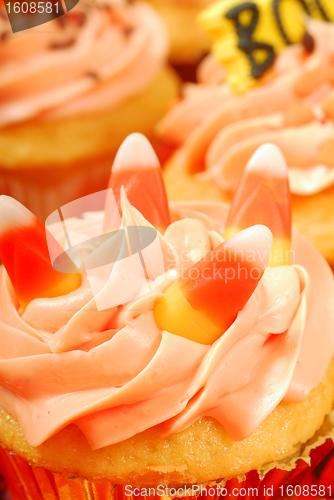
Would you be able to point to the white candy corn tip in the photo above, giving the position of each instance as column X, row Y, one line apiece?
column 268, row 160
column 135, row 152
column 13, row 213
column 253, row 244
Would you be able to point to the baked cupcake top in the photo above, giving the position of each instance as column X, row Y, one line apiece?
column 217, row 131
column 143, row 325
column 96, row 56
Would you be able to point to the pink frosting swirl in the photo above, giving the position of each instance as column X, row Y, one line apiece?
column 218, row 131
column 96, row 56
column 114, row 373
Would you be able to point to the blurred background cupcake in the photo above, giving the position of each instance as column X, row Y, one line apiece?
column 188, row 41
column 70, row 91
column 216, row 130
column 89, row 405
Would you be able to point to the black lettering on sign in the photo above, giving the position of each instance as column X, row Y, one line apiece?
column 246, row 42
column 322, row 11
column 305, row 6
column 278, row 18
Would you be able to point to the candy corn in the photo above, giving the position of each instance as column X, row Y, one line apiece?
column 263, row 197
column 137, row 168
column 249, row 35
column 203, row 304
column 24, row 252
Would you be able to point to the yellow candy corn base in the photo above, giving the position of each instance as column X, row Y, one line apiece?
column 312, row 215
column 188, row 42
column 65, row 468
column 45, row 165
column 174, row 314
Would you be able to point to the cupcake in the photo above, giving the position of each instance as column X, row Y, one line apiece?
column 196, row 357
column 71, row 91
column 216, row 132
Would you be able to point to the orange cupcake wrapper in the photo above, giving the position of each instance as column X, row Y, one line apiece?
column 314, row 480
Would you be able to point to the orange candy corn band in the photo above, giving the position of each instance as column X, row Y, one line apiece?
column 264, row 200
column 145, row 190
column 27, row 482
column 24, row 252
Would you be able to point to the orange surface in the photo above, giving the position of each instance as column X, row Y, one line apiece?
column 309, row 81
column 325, row 154
column 145, row 190
column 25, row 255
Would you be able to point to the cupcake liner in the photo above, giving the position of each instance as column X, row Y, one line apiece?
column 307, row 476
column 27, row 482
column 45, row 190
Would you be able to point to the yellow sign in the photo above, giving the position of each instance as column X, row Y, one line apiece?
column 249, row 35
